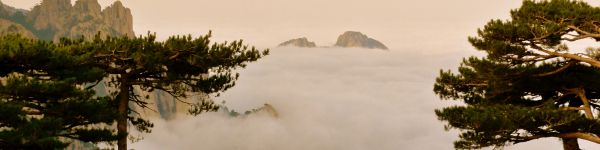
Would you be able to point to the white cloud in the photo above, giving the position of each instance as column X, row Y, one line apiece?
column 327, row 99
column 335, row 99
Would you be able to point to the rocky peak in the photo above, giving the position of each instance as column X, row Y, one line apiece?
column 118, row 3
column 119, row 18
column 299, row 42
column 359, row 40
column 54, row 5
column 58, row 3
column 54, row 19
column 49, row 14
column 88, row 6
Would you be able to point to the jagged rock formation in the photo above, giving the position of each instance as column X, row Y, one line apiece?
column 299, row 42
column 359, row 40
column 267, row 109
column 119, row 18
column 54, row 19
column 350, row 39
column 85, row 18
column 50, row 14
column 9, row 27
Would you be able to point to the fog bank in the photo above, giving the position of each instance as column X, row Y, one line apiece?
column 336, row 99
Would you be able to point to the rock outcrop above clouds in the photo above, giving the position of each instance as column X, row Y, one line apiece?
column 349, row 39
column 299, row 42
column 352, row 39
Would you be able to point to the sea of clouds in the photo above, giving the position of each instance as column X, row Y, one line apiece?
column 330, row 99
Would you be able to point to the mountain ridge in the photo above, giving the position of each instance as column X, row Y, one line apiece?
column 55, row 19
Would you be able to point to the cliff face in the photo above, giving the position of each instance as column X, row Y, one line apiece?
column 357, row 39
column 299, row 42
column 119, row 18
column 9, row 27
column 86, row 21
column 54, row 19
column 50, row 14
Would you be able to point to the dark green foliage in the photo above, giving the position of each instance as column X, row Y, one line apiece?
column 529, row 85
column 178, row 66
column 181, row 66
column 42, row 100
column 203, row 106
column 46, row 95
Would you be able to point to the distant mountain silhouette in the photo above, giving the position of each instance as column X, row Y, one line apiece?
column 357, row 39
column 299, row 42
column 349, row 39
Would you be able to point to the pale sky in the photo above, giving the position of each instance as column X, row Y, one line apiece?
column 266, row 23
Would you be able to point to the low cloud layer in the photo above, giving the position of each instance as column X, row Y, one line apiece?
column 335, row 99
column 327, row 99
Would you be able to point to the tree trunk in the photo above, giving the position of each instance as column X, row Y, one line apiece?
column 570, row 144
column 123, row 99
column 586, row 104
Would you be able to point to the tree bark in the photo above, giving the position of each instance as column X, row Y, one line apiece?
column 590, row 61
column 123, row 99
column 586, row 103
column 579, row 135
column 570, row 144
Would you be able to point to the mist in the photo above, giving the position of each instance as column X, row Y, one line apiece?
column 328, row 98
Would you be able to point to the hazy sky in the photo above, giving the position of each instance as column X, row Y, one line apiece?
column 268, row 22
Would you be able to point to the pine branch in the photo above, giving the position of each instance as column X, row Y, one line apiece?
column 590, row 61
column 563, row 68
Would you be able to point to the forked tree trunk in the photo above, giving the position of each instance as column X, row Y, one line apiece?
column 570, row 144
column 123, row 99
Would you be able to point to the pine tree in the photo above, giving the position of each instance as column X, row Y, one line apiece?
column 180, row 66
column 43, row 104
column 530, row 85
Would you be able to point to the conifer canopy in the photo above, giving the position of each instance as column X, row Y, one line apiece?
column 530, row 85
